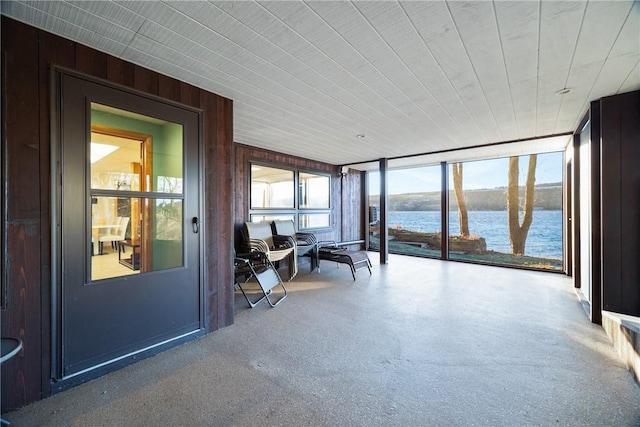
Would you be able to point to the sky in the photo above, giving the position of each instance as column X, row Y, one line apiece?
column 476, row 175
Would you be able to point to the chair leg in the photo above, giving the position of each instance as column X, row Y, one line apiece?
column 266, row 280
column 246, row 297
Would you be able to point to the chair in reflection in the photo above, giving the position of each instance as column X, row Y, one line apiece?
column 306, row 243
column 116, row 234
column 258, row 236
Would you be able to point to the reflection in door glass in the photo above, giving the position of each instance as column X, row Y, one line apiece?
column 132, row 153
column 166, row 234
column 115, row 237
column 116, row 163
column 133, row 235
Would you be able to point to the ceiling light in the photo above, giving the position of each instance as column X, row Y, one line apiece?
column 563, row 91
column 360, row 135
column 98, row 151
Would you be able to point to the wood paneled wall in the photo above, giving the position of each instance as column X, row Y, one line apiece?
column 353, row 207
column 620, row 185
column 27, row 57
column 346, row 210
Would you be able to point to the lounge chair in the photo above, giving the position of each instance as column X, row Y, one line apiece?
column 331, row 251
column 306, row 243
column 257, row 265
column 258, row 236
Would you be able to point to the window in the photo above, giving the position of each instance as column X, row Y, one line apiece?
column 271, row 188
column 314, row 191
column 414, row 211
column 490, row 218
column 492, row 221
column 273, row 196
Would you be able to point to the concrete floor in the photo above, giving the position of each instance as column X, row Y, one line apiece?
column 420, row 342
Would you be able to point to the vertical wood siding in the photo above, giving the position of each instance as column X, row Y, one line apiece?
column 21, row 381
column 620, row 184
column 29, row 55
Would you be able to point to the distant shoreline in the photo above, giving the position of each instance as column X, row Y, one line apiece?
column 547, row 197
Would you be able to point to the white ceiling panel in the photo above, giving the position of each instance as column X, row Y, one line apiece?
column 628, row 41
column 595, row 46
column 579, row 97
column 560, row 24
column 523, row 97
column 58, row 24
column 632, row 81
column 413, row 77
column 518, row 24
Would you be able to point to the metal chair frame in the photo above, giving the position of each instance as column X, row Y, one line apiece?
column 257, row 265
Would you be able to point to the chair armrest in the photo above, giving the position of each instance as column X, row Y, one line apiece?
column 246, row 258
column 258, row 245
column 327, row 244
column 307, row 238
column 283, row 241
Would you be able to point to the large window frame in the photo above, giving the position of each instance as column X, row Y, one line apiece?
column 308, row 212
column 467, row 248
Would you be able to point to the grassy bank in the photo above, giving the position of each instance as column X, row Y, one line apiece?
column 489, row 257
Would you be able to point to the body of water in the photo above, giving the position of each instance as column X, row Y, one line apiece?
column 544, row 238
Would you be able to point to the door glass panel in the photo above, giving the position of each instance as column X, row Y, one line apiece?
column 115, row 233
column 166, row 175
column 135, row 233
column 116, row 163
column 166, row 233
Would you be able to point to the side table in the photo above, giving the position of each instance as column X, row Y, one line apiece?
column 133, row 262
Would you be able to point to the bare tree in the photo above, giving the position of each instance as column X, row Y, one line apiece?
column 518, row 232
column 462, row 204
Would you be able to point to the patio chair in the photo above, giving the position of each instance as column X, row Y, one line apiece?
column 306, row 243
column 116, row 235
column 256, row 265
column 331, row 251
column 258, row 236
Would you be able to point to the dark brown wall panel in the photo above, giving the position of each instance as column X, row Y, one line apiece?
column 169, row 88
column 225, row 184
column 90, row 61
column 210, row 208
column 218, row 186
column 189, row 95
column 145, row 80
column 594, row 147
column 119, row 71
column 21, row 317
column 620, row 184
column 29, row 55
column 630, row 195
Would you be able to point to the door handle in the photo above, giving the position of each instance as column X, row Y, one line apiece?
column 195, row 224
